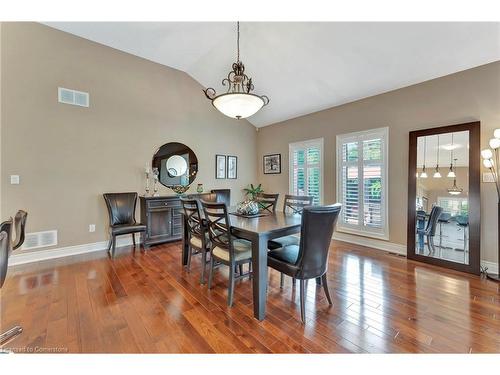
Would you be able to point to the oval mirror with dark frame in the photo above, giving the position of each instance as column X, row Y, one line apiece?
column 177, row 166
column 444, row 197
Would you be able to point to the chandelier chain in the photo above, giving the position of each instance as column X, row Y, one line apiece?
column 238, row 41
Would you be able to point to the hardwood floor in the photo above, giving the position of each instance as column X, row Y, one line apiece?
column 146, row 302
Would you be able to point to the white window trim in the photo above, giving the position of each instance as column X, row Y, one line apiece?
column 356, row 136
column 304, row 144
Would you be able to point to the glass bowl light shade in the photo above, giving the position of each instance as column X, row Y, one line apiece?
column 436, row 174
column 488, row 163
column 486, row 153
column 451, row 174
column 496, row 133
column 238, row 105
column 494, row 143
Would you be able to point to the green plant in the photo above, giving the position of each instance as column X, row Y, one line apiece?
column 252, row 191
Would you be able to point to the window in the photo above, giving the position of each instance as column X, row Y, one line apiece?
column 306, row 169
column 362, row 182
column 454, row 206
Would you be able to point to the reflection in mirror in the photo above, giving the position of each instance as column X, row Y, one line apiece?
column 177, row 165
column 442, row 202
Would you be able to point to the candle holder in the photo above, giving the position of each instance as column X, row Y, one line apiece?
column 147, row 184
column 155, row 182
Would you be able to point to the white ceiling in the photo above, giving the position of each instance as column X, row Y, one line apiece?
column 305, row 66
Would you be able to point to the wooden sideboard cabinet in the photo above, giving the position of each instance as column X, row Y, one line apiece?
column 163, row 219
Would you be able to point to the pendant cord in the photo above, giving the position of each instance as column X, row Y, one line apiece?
column 238, row 41
column 437, row 161
column 425, row 149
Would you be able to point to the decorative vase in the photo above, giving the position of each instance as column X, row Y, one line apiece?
column 248, row 208
column 199, row 188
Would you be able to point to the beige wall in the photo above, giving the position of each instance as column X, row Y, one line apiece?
column 68, row 156
column 466, row 96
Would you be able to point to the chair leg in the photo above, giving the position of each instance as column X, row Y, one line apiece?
column 231, row 287
column 190, row 252
column 325, row 287
column 294, row 281
column 203, row 265
column 210, row 274
column 110, row 243
column 133, row 239
column 113, row 247
column 240, row 268
column 10, row 334
column 282, row 279
column 303, row 300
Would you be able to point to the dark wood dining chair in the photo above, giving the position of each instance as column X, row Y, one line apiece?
column 197, row 240
column 267, row 202
column 121, row 210
column 309, row 259
column 226, row 249
column 5, row 251
column 223, row 196
column 293, row 204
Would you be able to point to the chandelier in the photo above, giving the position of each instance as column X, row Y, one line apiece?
column 238, row 102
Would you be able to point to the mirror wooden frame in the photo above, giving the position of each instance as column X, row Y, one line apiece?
column 474, row 197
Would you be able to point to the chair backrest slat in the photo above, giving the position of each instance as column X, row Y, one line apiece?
column 318, row 223
column 296, row 203
column 219, row 226
column 267, row 202
column 193, row 218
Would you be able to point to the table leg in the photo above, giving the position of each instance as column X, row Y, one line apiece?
column 185, row 247
column 259, row 279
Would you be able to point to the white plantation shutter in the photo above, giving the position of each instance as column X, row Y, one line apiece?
column 362, row 182
column 306, row 167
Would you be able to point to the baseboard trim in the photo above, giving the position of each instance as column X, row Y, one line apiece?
column 392, row 247
column 371, row 242
column 61, row 252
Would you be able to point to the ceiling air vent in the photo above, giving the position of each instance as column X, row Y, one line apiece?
column 40, row 239
column 73, row 97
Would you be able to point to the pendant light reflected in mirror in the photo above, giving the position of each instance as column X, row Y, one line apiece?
column 455, row 190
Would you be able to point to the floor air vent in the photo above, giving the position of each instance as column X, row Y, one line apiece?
column 40, row 239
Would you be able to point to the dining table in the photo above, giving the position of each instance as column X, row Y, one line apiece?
column 258, row 230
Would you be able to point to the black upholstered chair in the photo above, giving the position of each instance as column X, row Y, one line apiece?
column 223, row 196
column 293, row 204
column 309, row 259
column 267, row 202
column 5, row 251
column 430, row 230
column 121, row 209
column 19, row 228
column 197, row 233
column 225, row 248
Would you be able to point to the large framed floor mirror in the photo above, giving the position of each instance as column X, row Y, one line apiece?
column 444, row 196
